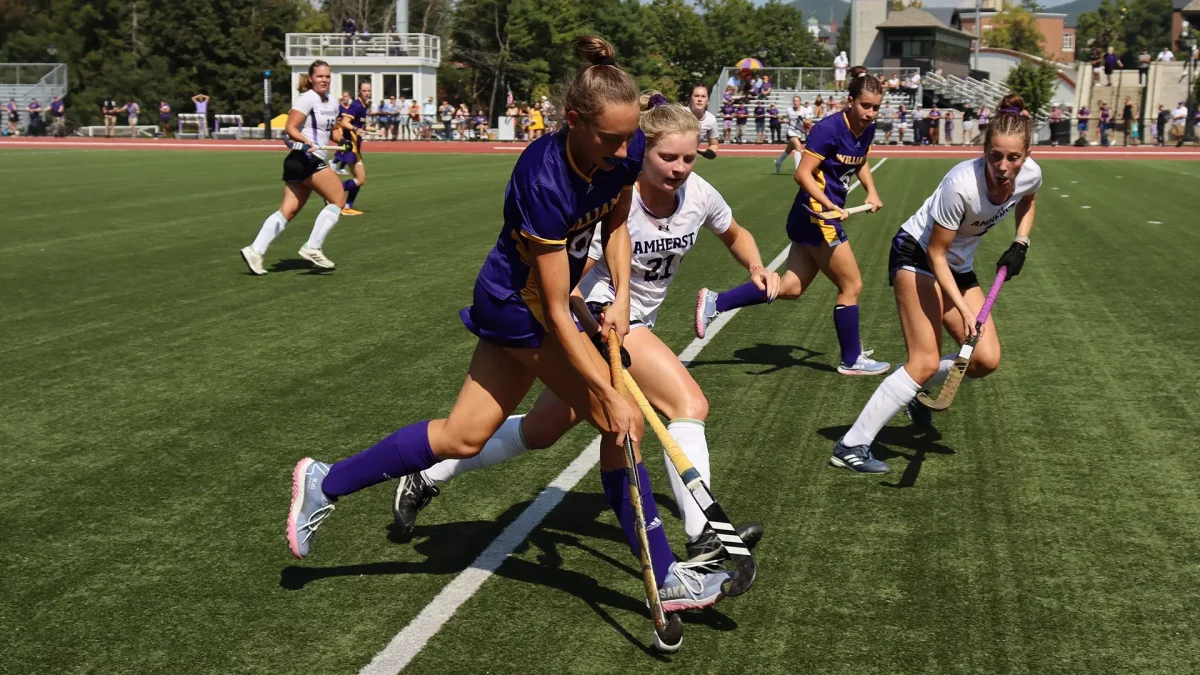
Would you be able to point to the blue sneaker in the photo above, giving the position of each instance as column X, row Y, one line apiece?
column 692, row 586
column 865, row 365
column 310, row 506
column 706, row 310
column 858, row 459
column 921, row 417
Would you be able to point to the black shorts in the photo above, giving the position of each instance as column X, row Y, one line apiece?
column 299, row 165
column 14, row 117
column 883, row 126
column 907, row 253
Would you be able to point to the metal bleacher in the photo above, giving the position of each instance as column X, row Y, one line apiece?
column 27, row 81
column 979, row 93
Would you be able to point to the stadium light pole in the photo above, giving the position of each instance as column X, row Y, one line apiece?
column 1189, row 129
column 853, row 33
column 267, row 104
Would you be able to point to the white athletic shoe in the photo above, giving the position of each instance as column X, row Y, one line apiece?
column 253, row 261
column 316, row 257
column 778, row 164
column 865, row 365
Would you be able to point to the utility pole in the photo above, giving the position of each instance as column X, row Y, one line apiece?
column 978, row 33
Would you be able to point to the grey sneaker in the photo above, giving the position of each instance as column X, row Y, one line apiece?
column 316, row 257
column 921, row 417
column 310, row 506
column 692, row 586
column 253, row 261
column 706, row 310
column 778, row 164
column 708, row 547
column 412, row 494
column 865, row 365
column 858, row 459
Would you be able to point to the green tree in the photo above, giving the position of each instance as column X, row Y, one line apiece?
column 1016, row 28
column 679, row 45
column 1099, row 29
column 1034, row 81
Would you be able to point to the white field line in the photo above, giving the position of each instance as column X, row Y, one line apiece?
column 409, row 642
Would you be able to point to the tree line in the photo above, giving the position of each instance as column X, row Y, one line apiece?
column 151, row 50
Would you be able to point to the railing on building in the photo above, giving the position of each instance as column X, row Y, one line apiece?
column 420, row 46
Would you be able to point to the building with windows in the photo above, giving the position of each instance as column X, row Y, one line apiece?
column 1058, row 39
column 399, row 64
column 916, row 38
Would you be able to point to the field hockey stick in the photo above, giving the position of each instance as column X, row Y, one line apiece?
column 295, row 145
column 746, row 569
column 950, row 388
column 849, row 212
column 668, row 633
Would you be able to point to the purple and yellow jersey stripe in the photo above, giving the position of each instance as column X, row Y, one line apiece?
column 842, row 154
column 549, row 201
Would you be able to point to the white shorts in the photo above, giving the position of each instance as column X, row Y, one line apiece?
column 839, row 74
column 792, row 133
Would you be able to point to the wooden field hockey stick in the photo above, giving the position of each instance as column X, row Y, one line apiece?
column 950, row 388
column 744, row 564
column 668, row 633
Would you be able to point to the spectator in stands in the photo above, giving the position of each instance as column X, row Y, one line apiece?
column 893, row 83
column 34, row 109
column 776, row 123
column 1143, row 66
column 760, row 122
column 14, row 117
column 164, row 117
column 840, row 64
column 446, row 114
column 1179, row 122
column 481, row 125
column 819, row 108
column 1160, row 122
column 984, row 118
column 743, row 116
column 537, row 124
column 1111, row 63
column 350, row 28
column 1166, row 55
column 766, row 86
column 462, row 121
column 1085, row 116
column 914, row 86
column 1105, row 123
column 970, row 124
column 934, row 117
column 727, row 111
column 131, row 110
column 201, row 101
column 428, row 114
column 58, row 111
column 1127, row 116
column 549, row 115
column 388, row 123
column 756, row 87
column 1056, row 117
column 902, row 121
column 415, row 131
column 920, row 126
column 1097, row 61
column 885, row 121
column 949, row 127
column 108, row 108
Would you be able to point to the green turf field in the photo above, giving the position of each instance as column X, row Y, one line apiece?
column 156, row 397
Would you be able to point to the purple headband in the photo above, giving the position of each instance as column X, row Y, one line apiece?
column 1011, row 111
column 657, row 100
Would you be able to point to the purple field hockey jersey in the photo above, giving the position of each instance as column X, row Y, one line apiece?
column 841, row 154
column 357, row 111
column 548, row 200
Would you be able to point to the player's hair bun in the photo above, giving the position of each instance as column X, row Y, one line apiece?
column 594, row 51
column 593, row 87
column 1011, row 104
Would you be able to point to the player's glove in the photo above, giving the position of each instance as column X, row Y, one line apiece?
column 602, row 347
column 708, row 153
column 1013, row 259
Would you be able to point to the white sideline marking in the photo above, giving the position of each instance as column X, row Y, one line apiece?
column 409, row 642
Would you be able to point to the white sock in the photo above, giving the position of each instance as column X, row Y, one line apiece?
column 326, row 219
column 506, row 443
column 272, row 227
column 943, row 371
column 889, row 398
column 689, row 434
column 796, row 156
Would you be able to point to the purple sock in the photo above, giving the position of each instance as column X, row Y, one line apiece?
column 845, row 320
column 616, row 487
column 351, row 195
column 742, row 296
column 405, row 451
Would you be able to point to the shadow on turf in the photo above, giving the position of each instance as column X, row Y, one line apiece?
column 297, row 264
column 777, row 357
column 920, row 441
column 449, row 548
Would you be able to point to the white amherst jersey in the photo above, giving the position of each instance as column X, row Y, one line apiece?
column 796, row 117
column 708, row 127
column 961, row 203
column 321, row 116
column 659, row 245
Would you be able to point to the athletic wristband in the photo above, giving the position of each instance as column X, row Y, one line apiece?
column 297, row 145
column 1022, row 239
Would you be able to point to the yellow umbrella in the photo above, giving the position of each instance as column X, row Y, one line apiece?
column 749, row 64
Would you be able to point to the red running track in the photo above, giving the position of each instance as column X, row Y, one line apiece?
column 500, row 148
